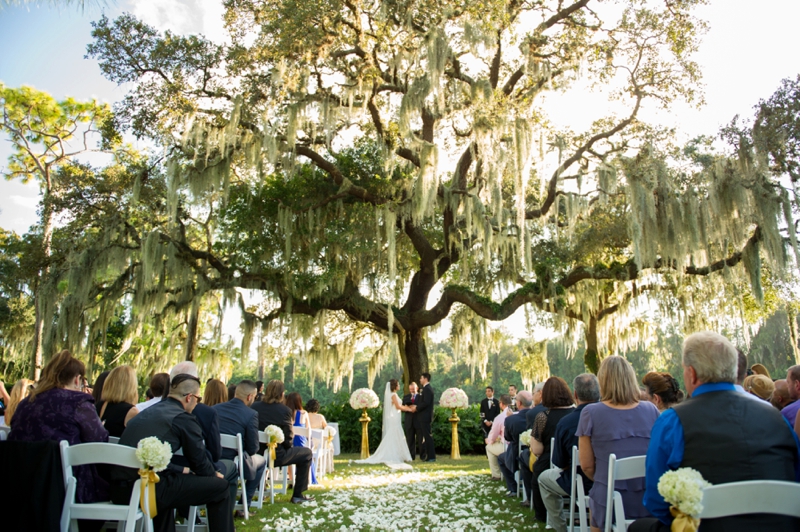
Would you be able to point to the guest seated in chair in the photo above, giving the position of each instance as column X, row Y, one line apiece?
column 721, row 433
column 620, row 424
column 119, row 395
column 272, row 411
column 58, row 409
column 316, row 420
column 236, row 417
column 216, row 393
column 199, row 483
column 556, row 483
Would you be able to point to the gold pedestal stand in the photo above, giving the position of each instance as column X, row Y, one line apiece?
column 455, row 454
column 364, row 419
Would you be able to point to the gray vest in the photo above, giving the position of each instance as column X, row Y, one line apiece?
column 729, row 437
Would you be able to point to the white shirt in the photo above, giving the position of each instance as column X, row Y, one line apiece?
column 148, row 403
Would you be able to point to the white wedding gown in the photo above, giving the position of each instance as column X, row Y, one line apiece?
column 393, row 450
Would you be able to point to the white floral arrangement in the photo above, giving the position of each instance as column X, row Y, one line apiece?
column 364, row 398
column 683, row 489
column 525, row 437
column 274, row 434
column 153, row 453
column 329, row 432
column 454, row 398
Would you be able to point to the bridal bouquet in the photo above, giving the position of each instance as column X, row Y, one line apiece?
column 274, row 437
column 454, row 398
column 683, row 489
column 154, row 456
column 364, row 398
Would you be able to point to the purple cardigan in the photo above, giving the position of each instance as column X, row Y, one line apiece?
column 60, row 414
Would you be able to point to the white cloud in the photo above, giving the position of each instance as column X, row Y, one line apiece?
column 183, row 17
column 27, row 202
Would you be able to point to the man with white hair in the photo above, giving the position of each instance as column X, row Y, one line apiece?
column 721, row 433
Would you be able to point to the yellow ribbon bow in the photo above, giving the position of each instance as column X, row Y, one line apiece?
column 149, row 479
column 531, row 461
column 683, row 522
column 272, row 447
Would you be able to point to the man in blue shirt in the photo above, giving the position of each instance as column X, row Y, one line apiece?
column 556, row 483
column 724, row 435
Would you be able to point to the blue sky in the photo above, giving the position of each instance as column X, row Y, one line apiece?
column 749, row 48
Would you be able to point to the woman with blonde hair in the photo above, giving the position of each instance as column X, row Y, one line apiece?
column 58, row 409
column 118, row 399
column 216, row 393
column 19, row 392
column 620, row 424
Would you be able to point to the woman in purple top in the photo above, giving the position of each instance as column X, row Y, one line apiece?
column 58, row 410
column 619, row 424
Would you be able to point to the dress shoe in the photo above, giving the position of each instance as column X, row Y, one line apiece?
column 431, row 460
column 302, row 500
column 495, row 478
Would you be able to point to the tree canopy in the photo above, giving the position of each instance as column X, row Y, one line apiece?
column 344, row 169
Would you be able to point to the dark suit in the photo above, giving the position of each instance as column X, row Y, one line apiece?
column 424, row 419
column 490, row 408
column 235, row 417
column 409, row 425
column 280, row 415
column 514, row 426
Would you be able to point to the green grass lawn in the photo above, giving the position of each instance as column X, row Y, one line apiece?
column 445, row 495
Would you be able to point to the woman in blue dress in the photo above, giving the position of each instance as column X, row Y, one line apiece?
column 295, row 402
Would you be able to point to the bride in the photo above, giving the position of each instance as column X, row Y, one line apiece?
column 393, row 450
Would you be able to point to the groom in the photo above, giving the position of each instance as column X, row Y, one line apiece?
column 423, row 419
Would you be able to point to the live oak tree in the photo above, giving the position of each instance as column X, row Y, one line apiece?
column 387, row 160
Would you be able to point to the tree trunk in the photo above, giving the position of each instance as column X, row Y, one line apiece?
column 191, row 330
column 590, row 358
column 415, row 355
column 793, row 333
column 37, row 356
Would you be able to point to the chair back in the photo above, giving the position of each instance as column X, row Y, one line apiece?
column 304, row 432
column 113, row 439
column 4, row 432
column 228, row 441
column 620, row 469
column 96, row 453
column 751, row 497
column 552, row 446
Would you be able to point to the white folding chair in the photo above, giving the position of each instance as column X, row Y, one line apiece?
column 518, row 475
column 128, row 516
column 329, row 433
column 269, row 473
column 113, row 439
column 620, row 469
column 751, row 497
column 228, row 441
column 577, row 495
column 318, row 449
column 4, row 432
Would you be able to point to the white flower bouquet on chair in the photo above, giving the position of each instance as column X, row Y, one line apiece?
column 274, row 438
column 525, row 437
column 154, row 456
column 364, row 398
column 683, row 489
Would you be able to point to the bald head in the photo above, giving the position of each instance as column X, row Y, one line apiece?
column 780, row 396
column 524, row 399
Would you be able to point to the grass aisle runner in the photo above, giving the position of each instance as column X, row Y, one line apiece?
column 442, row 496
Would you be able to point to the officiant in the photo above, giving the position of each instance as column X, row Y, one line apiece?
column 490, row 408
column 411, row 398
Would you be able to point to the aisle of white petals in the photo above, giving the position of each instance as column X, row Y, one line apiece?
column 381, row 499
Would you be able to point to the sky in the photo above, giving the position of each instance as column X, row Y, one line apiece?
column 749, row 48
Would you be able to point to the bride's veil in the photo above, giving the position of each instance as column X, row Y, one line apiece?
column 389, row 411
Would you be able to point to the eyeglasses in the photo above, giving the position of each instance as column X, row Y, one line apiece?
column 199, row 399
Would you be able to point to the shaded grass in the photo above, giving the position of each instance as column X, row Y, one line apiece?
column 445, row 495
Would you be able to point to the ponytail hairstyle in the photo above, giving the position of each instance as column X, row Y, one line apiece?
column 57, row 373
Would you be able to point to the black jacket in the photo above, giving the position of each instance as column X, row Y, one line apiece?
column 424, row 413
column 277, row 414
column 490, row 409
column 169, row 422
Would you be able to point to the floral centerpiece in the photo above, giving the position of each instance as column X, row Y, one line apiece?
column 274, row 437
column 454, row 398
column 683, row 489
column 364, row 398
column 154, row 456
